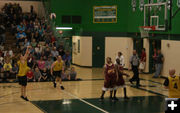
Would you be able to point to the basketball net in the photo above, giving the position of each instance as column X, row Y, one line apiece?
column 144, row 30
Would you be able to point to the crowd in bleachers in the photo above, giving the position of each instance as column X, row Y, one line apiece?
column 30, row 30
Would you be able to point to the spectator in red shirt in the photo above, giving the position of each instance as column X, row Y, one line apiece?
column 53, row 39
column 155, row 59
column 142, row 60
column 30, row 75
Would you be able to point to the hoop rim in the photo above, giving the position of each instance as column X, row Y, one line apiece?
column 153, row 28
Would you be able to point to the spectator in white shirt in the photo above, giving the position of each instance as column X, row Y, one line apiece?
column 9, row 51
column 121, row 58
column 54, row 53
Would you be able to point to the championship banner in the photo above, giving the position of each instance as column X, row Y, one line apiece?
column 105, row 14
column 141, row 5
column 133, row 5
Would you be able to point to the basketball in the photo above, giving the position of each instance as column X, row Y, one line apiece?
column 60, row 32
column 52, row 16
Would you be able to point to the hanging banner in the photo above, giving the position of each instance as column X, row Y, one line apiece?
column 151, row 2
column 141, row 5
column 105, row 14
column 178, row 3
column 169, row 4
column 133, row 5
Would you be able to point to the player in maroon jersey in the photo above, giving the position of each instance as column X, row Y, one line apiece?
column 120, row 80
column 109, row 78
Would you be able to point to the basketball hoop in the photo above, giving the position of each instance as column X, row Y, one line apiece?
column 145, row 30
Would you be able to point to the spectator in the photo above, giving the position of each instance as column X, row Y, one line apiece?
column 60, row 46
column 7, row 69
column 53, row 40
column 37, row 75
column 72, row 74
column 38, row 51
column 21, row 27
column 30, row 75
column 14, row 25
column 67, row 59
column 61, row 52
column 48, row 31
column 26, row 43
column 30, row 61
column 31, row 9
column 34, row 43
column 41, row 33
column 47, row 52
column 36, row 25
column 160, row 60
column 142, row 61
column 31, row 26
column 14, row 70
column 155, row 59
column 33, row 16
column 24, row 23
column 41, row 64
column 121, row 59
column 43, row 22
column 8, row 57
column 20, row 37
column 19, row 9
column 29, row 35
column 9, row 52
column 48, row 63
column 64, row 76
column 44, row 75
column 54, row 53
column 47, row 39
column 36, row 36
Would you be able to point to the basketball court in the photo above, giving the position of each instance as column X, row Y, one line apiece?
column 83, row 96
column 155, row 23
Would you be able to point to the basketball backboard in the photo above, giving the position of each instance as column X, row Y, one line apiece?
column 155, row 14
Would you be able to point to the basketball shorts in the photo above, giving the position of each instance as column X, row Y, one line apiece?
column 22, row 80
column 57, row 73
column 110, row 82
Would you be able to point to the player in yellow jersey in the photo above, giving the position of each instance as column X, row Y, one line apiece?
column 23, row 69
column 56, row 69
column 173, row 84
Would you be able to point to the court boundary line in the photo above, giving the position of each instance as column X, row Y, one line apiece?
column 84, row 101
column 149, row 91
column 38, row 107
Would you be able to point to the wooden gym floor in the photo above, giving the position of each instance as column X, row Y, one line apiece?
column 82, row 96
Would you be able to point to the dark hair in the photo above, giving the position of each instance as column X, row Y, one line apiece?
column 120, row 53
column 108, row 58
column 117, row 61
